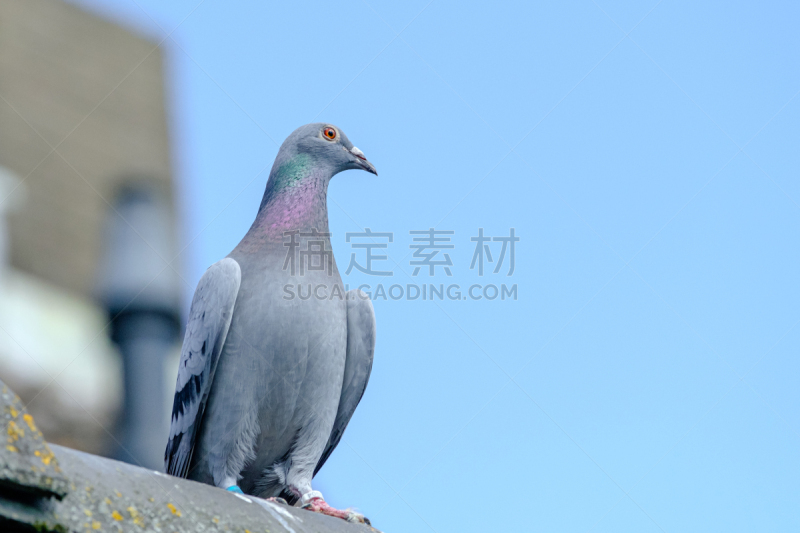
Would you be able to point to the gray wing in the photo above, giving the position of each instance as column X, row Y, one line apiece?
column 360, row 349
column 209, row 320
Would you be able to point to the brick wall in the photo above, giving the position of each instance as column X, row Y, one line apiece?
column 94, row 91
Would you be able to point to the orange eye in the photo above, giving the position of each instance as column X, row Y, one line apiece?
column 329, row 133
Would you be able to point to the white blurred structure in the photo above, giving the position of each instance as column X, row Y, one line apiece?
column 47, row 333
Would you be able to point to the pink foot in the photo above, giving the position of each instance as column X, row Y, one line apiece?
column 313, row 501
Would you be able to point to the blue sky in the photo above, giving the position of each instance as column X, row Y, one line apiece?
column 647, row 156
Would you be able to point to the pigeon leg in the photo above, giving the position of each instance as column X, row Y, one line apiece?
column 313, row 501
column 229, row 484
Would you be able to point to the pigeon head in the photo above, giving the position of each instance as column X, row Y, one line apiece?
column 327, row 146
column 297, row 188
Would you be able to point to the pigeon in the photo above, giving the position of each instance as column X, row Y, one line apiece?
column 276, row 355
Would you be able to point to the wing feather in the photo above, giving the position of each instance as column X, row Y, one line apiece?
column 360, row 349
column 209, row 320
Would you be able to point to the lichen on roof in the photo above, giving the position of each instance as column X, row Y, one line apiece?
column 26, row 460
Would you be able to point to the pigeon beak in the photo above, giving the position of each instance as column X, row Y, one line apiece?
column 361, row 161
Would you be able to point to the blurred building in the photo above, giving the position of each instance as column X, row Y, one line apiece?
column 81, row 115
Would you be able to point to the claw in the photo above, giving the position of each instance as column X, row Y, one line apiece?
column 278, row 499
column 358, row 518
column 313, row 501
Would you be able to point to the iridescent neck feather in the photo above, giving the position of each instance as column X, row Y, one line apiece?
column 295, row 199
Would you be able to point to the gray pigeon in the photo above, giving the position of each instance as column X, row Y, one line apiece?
column 276, row 355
